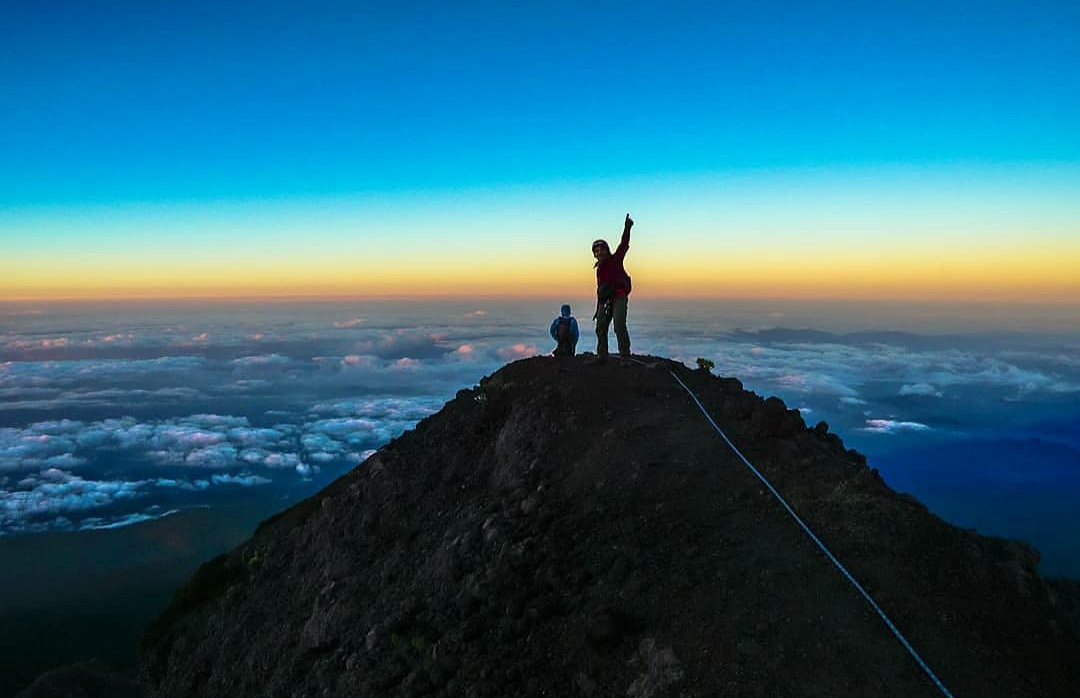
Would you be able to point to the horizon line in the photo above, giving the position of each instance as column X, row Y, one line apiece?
column 421, row 297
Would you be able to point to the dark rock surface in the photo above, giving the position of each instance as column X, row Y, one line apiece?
column 568, row 529
column 93, row 679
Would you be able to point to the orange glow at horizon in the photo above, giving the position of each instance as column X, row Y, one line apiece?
column 1046, row 277
column 1011, row 234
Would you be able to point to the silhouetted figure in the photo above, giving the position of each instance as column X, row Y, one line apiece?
column 564, row 330
column 612, row 292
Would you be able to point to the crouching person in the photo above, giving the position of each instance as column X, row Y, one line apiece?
column 564, row 330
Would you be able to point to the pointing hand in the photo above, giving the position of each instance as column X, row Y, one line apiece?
column 629, row 223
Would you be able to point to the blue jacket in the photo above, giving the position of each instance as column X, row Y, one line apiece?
column 573, row 327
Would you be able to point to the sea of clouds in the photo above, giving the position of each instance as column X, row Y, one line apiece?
column 115, row 414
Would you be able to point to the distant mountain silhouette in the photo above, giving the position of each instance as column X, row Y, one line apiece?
column 572, row 529
column 787, row 335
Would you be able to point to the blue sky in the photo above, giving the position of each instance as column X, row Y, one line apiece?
column 908, row 150
column 118, row 102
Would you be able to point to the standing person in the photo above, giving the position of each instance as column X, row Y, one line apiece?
column 564, row 331
column 612, row 292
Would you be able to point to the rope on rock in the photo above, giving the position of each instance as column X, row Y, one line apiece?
column 817, row 541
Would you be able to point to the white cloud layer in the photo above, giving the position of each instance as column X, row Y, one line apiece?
column 36, row 462
column 74, row 396
column 517, row 351
column 921, row 389
column 857, row 373
column 98, row 522
column 57, row 492
column 890, row 426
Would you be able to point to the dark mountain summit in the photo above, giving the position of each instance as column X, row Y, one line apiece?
column 571, row 529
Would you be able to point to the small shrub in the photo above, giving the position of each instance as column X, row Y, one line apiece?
column 705, row 364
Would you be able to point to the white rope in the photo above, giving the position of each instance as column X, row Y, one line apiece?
column 817, row 541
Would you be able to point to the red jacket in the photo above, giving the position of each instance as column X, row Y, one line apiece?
column 611, row 270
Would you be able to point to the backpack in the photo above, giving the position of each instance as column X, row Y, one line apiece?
column 605, row 292
column 564, row 335
column 562, row 332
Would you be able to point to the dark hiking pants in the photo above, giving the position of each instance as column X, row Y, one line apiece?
column 616, row 310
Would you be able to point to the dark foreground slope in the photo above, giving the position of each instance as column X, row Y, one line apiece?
column 69, row 596
column 569, row 529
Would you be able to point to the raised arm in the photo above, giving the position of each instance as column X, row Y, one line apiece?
column 624, row 242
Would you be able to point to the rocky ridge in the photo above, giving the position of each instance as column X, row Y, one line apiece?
column 572, row 529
